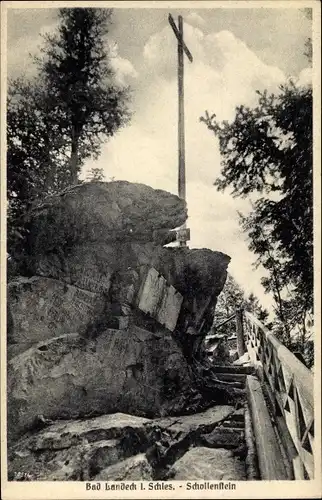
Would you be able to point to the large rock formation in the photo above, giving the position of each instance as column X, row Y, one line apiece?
column 132, row 370
column 102, row 212
column 101, row 323
column 120, row 447
column 79, row 450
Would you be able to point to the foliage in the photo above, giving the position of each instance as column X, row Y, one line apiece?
column 267, row 151
column 231, row 298
column 35, row 165
column 95, row 174
column 61, row 117
column 253, row 305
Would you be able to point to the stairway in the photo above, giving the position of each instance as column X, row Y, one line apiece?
column 264, row 454
column 239, row 425
column 279, row 399
column 216, row 444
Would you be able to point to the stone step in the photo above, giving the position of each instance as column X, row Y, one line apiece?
column 223, row 437
column 235, row 385
column 248, row 370
column 233, row 424
column 238, row 415
column 232, row 377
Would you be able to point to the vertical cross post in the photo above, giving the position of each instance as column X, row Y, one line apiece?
column 181, row 136
column 182, row 49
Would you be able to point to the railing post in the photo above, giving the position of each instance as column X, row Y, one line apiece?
column 241, row 347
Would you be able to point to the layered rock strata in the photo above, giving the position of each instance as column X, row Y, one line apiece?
column 100, row 320
column 120, row 447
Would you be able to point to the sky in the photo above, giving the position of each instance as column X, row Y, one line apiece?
column 236, row 52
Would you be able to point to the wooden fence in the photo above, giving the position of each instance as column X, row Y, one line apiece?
column 289, row 387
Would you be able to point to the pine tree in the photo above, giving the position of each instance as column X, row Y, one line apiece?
column 62, row 116
column 267, row 150
column 82, row 97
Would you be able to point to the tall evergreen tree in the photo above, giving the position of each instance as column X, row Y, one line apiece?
column 75, row 68
column 267, row 150
column 61, row 117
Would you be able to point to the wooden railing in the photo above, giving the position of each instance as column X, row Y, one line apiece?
column 289, row 387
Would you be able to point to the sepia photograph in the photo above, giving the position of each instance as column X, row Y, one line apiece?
column 160, row 250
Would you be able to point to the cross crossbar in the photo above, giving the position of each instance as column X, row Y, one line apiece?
column 179, row 38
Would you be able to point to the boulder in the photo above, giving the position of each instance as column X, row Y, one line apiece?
column 77, row 463
column 202, row 464
column 104, row 238
column 121, row 447
column 89, row 232
column 66, row 433
column 119, row 370
column 135, row 468
column 194, row 269
column 78, row 450
column 94, row 266
column 173, row 436
column 89, row 266
column 102, row 212
column 42, row 308
column 88, row 333
column 100, row 286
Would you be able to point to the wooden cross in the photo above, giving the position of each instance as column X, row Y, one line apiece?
column 182, row 48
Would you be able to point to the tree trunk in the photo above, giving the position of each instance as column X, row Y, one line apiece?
column 303, row 331
column 73, row 164
column 278, row 300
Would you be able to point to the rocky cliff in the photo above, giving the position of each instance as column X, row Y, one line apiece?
column 100, row 320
